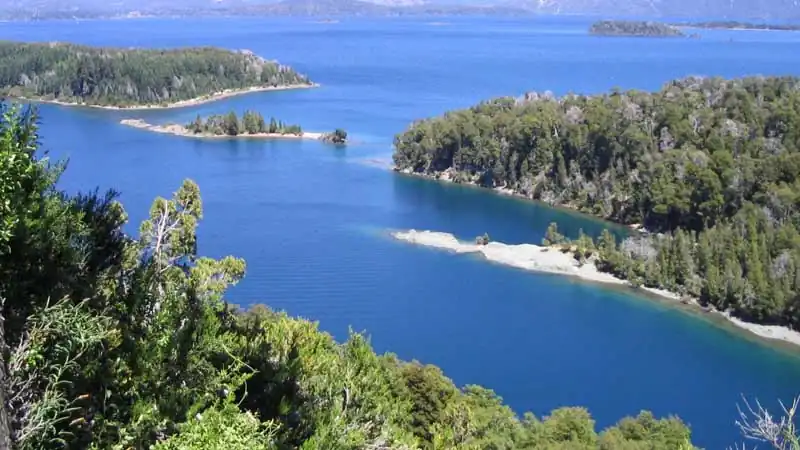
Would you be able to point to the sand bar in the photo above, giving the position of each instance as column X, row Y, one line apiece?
column 182, row 103
column 551, row 260
column 180, row 130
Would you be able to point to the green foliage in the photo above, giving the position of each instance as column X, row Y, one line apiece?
column 130, row 77
column 222, row 427
column 59, row 342
column 710, row 167
column 646, row 432
column 21, row 175
column 231, row 125
column 552, row 236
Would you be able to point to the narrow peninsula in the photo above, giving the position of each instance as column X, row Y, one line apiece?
column 736, row 25
column 583, row 259
column 634, row 28
column 250, row 125
column 117, row 78
column 708, row 168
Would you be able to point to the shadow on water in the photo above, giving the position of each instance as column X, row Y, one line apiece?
column 475, row 210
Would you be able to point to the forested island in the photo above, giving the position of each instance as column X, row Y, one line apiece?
column 634, row 28
column 125, row 78
column 121, row 341
column 735, row 25
column 251, row 125
column 710, row 168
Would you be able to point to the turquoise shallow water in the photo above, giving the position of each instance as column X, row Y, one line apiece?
column 312, row 220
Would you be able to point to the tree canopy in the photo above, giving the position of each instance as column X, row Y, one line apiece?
column 710, row 167
column 132, row 77
column 230, row 124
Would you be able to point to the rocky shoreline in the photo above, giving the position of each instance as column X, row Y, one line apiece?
column 553, row 260
column 182, row 103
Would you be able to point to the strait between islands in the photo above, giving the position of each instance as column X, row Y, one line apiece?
column 560, row 260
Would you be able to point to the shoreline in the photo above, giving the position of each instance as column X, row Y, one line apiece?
column 180, row 130
column 552, row 260
column 447, row 176
column 227, row 93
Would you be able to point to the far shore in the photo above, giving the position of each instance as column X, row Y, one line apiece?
column 180, row 104
column 553, row 260
column 180, row 130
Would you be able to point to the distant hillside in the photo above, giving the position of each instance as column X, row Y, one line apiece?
column 775, row 10
column 720, row 9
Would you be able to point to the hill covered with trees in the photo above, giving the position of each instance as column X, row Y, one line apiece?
column 117, row 77
column 710, row 166
column 118, row 341
column 634, row 28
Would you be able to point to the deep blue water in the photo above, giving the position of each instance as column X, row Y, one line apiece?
column 311, row 219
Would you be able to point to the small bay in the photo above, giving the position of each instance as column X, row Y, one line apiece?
column 312, row 220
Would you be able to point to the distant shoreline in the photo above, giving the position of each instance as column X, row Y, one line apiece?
column 553, row 260
column 180, row 130
column 228, row 93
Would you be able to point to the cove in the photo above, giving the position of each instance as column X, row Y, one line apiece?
column 310, row 219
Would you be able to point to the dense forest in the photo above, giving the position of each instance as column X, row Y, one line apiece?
column 127, row 342
column 710, row 167
column 633, row 28
column 132, row 77
column 250, row 122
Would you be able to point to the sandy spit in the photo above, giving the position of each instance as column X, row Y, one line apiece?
column 550, row 260
column 183, row 103
column 180, row 130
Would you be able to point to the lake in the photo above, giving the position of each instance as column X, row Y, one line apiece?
column 311, row 220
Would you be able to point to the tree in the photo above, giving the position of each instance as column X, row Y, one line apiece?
column 756, row 423
column 552, row 236
column 232, row 125
column 252, row 122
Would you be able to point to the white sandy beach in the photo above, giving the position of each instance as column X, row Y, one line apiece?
column 180, row 130
column 551, row 260
column 184, row 103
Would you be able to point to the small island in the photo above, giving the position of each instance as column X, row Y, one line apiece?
column 634, row 28
column 117, row 78
column 735, row 25
column 250, row 125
